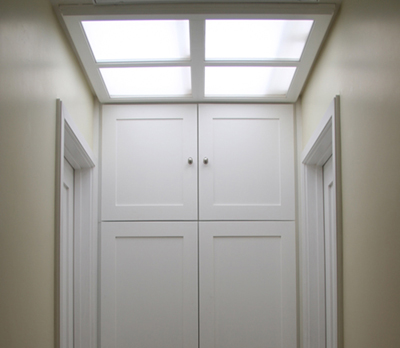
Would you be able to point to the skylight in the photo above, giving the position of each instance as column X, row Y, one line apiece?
column 245, row 81
column 138, row 40
column 267, row 39
column 147, row 81
column 146, row 53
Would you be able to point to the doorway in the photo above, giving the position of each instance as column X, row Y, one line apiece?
column 320, row 235
column 76, row 237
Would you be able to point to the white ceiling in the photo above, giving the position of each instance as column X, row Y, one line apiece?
column 80, row 2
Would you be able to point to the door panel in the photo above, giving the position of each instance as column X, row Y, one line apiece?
column 149, row 285
column 249, row 172
column 247, row 284
column 146, row 172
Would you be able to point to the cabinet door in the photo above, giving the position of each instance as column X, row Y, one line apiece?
column 149, row 296
column 249, row 171
column 146, row 171
column 247, row 284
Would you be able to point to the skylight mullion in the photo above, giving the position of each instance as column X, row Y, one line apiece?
column 197, row 49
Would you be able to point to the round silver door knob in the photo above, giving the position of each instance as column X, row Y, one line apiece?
column 190, row 160
column 205, row 160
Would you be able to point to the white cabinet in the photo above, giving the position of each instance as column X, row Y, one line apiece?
column 146, row 173
column 149, row 285
column 150, row 162
column 247, row 284
column 249, row 172
column 206, row 167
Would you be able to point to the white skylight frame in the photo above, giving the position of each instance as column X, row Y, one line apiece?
column 197, row 14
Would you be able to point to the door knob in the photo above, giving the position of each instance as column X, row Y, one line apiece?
column 205, row 160
column 190, row 160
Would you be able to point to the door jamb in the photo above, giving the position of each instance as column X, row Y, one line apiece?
column 325, row 142
column 73, row 146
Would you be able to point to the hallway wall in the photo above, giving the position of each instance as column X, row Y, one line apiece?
column 36, row 67
column 361, row 62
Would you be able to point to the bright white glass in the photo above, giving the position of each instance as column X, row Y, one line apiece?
column 147, row 81
column 261, row 39
column 247, row 81
column 138, row 40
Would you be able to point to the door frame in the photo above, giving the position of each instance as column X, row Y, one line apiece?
column 314, row 266
column 72, row 145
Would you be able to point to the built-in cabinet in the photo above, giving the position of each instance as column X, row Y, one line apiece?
column 149, row 285
column 247, row 284
column 249, row 171
column 198, row 233
column 173, row 162
column 145, row 155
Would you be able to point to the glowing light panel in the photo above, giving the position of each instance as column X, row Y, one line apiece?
column 249, row 81
column 138, row 40
column 147, row 81
column 264, row 39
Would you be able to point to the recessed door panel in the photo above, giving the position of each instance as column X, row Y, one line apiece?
column 142, row 146
column 249, row 157
column 149, row 285
column 150, row 162
column 247, row 285
column 246, row 162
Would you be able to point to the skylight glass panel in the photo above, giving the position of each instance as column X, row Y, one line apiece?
column 147, row 81
column 138, row 40
column 261, row 39
column 253, row 81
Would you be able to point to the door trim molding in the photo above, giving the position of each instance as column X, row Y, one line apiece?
column 73, row 146
column 324, row 143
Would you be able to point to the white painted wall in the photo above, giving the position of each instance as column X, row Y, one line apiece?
column 360, row 61
column 36, row 67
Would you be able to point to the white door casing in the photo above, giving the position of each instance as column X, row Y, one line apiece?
column 77, row 253
column 316, row 251
column 330, row 254
column 67, row 259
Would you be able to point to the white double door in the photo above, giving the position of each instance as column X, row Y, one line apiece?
column 152, row 295
column 177, row 267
